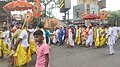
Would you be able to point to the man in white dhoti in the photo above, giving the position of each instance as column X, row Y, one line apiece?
column 55, row 34
column 89, row 39
column 110, row 40
column 70, row 37
column 115, row 30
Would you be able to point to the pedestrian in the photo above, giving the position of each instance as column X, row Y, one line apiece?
column 47, row 34
column 70, row 37
column 115, row 30
column 89, row 39
column 60, row 36
column 77, row 39
column 42, row 50
column 83, row 36
column 41, row 26
column 97, row 41
column 22, row 51
column 102, row 37
column 94, row 34
column 110, row 40
column 32, row 43
column 4, row 51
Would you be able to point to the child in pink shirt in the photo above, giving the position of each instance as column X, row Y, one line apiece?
column 42, row 50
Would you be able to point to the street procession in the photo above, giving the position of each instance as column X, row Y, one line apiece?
column 41, row 33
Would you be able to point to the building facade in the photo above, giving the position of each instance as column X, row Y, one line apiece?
column 88, row 6
column 87, row 1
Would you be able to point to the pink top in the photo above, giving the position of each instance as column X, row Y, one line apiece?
column 41, row 51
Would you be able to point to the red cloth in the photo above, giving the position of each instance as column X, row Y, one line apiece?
column 67, row 30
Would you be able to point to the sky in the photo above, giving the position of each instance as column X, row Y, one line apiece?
column 112, row 5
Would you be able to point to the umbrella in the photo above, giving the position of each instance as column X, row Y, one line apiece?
column 28, row 17
column 83, row 15
column 37, row 8
column 103, row 15
column 17, row 5
column 86, row 17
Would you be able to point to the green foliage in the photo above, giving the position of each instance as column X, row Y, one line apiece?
column 114, row 17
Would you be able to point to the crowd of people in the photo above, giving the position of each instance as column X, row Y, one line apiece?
column 94, row 35
column 19, row 44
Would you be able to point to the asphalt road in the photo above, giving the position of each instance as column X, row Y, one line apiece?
column 78, row 57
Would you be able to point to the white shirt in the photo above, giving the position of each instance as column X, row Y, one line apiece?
column 6, row 37
column 24, row 37
column 110, row 31
column 31, row 33
column 70, row 34
column 57, row 31
column 90, row 33
column 119, row 29
column 115, row 29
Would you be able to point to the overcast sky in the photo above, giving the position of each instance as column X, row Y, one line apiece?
column 112, row 5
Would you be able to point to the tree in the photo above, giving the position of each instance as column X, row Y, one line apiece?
column 114, row 17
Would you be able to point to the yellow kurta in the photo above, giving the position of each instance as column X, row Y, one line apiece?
column 97, row 41
column 77, row 40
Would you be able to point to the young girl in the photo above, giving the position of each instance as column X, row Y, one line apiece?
column 42, row 50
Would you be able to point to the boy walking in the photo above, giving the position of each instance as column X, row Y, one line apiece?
column 42, row 50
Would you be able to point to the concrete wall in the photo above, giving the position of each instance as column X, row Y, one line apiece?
column 79, row 8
